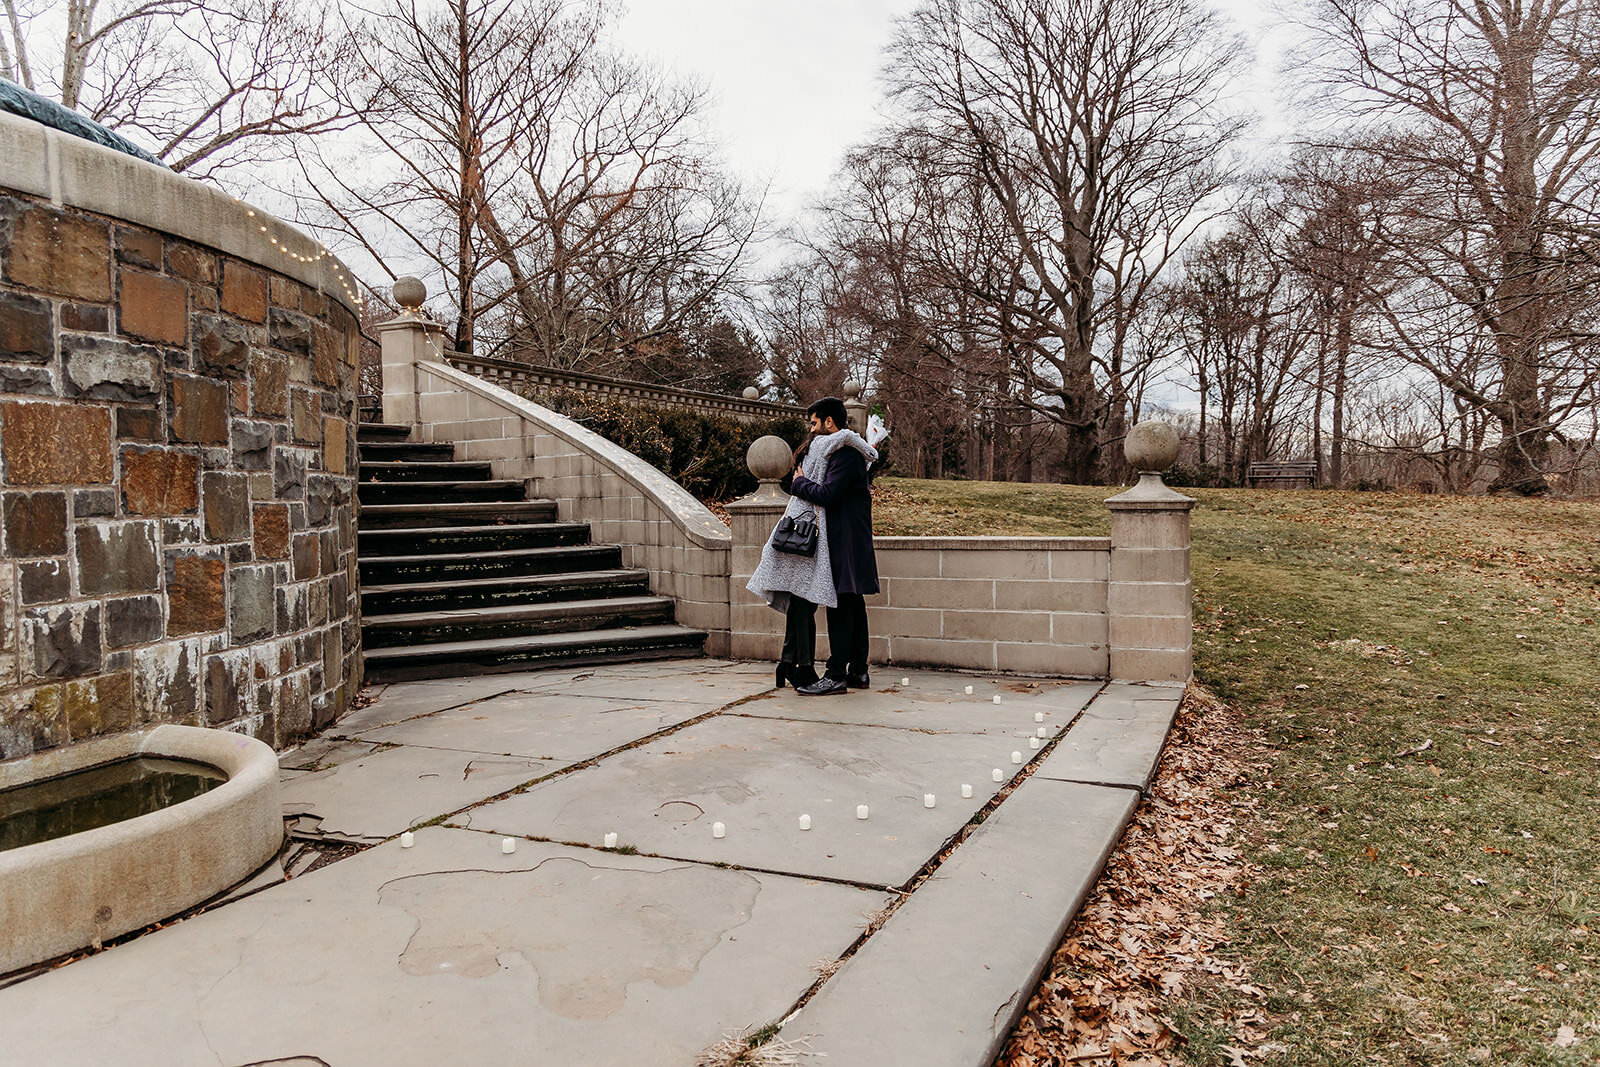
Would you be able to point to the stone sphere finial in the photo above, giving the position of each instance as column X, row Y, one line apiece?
column 1151, row 446
column 852, row 390
column 752, row 393
column 409, row 292
column 769, row 458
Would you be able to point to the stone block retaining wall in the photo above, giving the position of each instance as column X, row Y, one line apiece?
column 177, row 456
column 1020, row 605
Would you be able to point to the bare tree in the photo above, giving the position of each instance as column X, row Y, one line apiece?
column 1335, row 206
column 205, row 84
column 444, row 94
column 1246, row 326
column 1493, row 120
column 566, row 195
column 1097, row 131
column 635, row 231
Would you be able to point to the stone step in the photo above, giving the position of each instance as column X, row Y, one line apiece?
column 388, row 451
column 425, row 471
column 489, row 513
column 416, row 629
column 382, row 431
column 394, row 570
column 434, row 540
column 438, row 492
column 456, row 659
column 416, row 597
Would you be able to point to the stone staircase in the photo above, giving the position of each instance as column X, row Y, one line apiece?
column 461, row 575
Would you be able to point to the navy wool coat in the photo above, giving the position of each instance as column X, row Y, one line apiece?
column 846, row 495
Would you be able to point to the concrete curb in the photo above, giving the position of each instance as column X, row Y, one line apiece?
column 974, row 939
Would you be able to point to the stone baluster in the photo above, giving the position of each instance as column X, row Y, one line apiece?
column 1148, row 599
column 405, row 341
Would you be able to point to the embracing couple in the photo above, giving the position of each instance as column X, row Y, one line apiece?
column 831, row 495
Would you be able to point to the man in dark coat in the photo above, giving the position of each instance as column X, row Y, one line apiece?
column 846, row 498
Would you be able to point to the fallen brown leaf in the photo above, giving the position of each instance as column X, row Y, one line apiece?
column 1146, row 931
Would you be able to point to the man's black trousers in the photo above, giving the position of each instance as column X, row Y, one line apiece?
column 847, row 637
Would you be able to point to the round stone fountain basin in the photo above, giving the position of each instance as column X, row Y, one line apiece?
column 70, row 892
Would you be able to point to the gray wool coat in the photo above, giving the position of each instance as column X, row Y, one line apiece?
column 779, row 574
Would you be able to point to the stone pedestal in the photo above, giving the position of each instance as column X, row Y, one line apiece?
column 405, row 342
column 855, row 409
column 1148, row 597
column 755, row 630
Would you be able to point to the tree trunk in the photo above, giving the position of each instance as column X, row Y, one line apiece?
column 1341, row 363
column 1524, row 441
column 465, row 283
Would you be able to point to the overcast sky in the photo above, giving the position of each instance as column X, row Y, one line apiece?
column 796, row 81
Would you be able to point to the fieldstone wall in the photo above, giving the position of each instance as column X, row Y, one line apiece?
column 177, row 458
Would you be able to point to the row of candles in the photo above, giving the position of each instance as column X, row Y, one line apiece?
column 719, row 830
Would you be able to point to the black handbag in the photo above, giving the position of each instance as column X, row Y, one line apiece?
column 797, row 537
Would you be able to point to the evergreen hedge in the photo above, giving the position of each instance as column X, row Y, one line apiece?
column 704, row 453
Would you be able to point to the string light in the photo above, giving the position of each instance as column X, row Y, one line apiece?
column 352, row 288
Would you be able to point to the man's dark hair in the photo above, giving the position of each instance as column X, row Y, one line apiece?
column 829, row 407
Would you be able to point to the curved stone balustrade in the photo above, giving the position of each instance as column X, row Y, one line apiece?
column 526, row 379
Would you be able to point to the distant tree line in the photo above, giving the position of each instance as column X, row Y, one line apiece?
column 1056, row 232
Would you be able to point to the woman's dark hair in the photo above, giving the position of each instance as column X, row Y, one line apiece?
column 800, row 452
column 830, row 407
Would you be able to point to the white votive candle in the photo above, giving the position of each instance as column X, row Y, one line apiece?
column 408, row 839
column 611, row 841
column 1016, row 757
column 927, row 800
column 1033, row 742
column 966, row 791
column 1038, row 716
column 1041, row 732
column 997, row 775
column 805, row 822
column 861, row 811
column 997, row 698
column 905, row 681
column 968, row 690
column 718, row 830
column 508, row 845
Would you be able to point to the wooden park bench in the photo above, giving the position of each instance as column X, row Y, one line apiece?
column 1299, row 474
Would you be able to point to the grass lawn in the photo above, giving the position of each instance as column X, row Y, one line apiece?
column 1422, row 676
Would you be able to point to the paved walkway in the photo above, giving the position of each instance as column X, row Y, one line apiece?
column 714, row 913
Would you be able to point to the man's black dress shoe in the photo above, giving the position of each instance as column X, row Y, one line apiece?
column 858, row 681
column 823, row 687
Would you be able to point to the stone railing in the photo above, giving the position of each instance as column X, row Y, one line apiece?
column 528, row 380
column 177, row 389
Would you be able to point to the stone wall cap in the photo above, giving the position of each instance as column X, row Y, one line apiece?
column 71, row 172
column 992, row 544
column 763, row 499
column 689, row 515
column 1150, row 494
